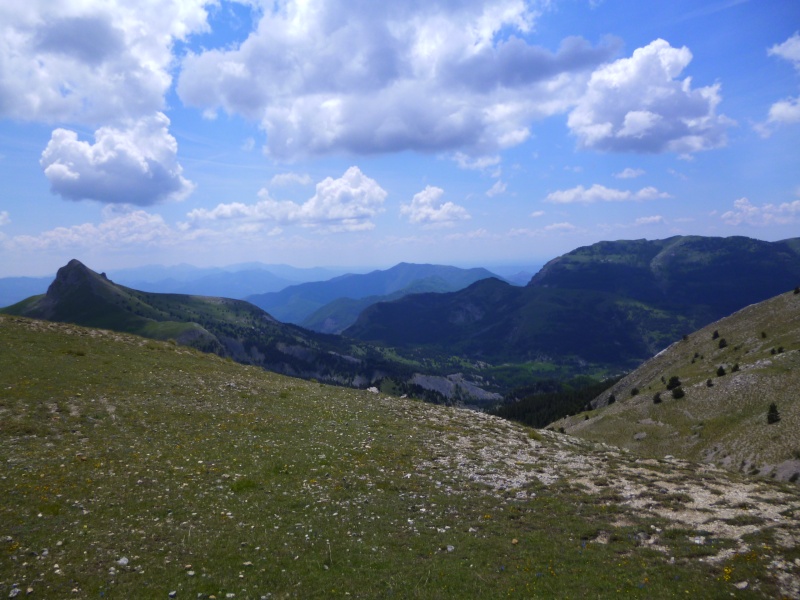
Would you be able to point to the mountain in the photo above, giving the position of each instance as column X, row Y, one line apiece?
column 227, row 284
column 296, row 303
column 234, row 281
column 135, row 468
column 15, row 289
column 338, row 315
column 729, row 373
column 231, row 328
column 612, row 303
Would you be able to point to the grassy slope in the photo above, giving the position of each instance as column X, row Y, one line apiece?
column 725, row 423
column 212, row 478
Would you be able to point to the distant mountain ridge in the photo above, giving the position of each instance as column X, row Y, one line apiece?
column 231, row 328
column 615, row 303
column 296, row 304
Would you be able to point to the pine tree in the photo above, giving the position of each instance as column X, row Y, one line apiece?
column 773, row 416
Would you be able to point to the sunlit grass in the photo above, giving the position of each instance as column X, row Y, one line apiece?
column 133, row 468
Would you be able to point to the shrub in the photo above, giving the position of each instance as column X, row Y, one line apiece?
column 709, row 383
column 763, row 335
column 715, row 335
column 657, row 398
column 735, row 368
column 773, row 416
column 797, row 290
column 674, row 382
column 720, row 371
column 635, row 391
column 612, row 399
column 678, row 393
column 723, row 343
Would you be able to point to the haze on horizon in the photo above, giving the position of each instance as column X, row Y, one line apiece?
column 333, row 133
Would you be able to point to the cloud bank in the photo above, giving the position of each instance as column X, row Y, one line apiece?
column 600, row 193
column 345, row 204
column 325, row 76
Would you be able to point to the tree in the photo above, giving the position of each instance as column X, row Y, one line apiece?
column 723, row 343
column 674, row 382
column 715, row 335
column 657, row 398
column 773, row 416
column 678, row 393
column 720, row 371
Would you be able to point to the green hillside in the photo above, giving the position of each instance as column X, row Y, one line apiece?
column 141, row 469
column 230, row 328
column 729, row 372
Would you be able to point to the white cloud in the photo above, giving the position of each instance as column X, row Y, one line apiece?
column 498, row 188
column 629, row 173
column 134, row 228
column 600, row 193
column 5, row 219
column 560, row 227
column 537, row 213
column 788, row 50
column 427, row 75
column 90, row 62
column 744, row 212
column 655, row 219
column 345, row 204
column 426, row 209
column 638, row 104
column 136, row 164
column 480, row 163
column 285, row 179
column 554, row 228
column 786, row 111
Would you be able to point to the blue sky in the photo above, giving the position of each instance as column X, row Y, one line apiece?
column 358, row 133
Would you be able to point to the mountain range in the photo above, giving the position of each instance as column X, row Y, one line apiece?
column 307, row 303
column 612, row 303
column 597, row 311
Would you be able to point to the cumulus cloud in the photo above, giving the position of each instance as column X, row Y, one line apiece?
column 638, row 104
column 629, row 173
column 136, row 164
column 345, row 204
column 744, row 212
column 433, row 75
column 600, row 193
column 788, row 50
column 132, row 228
column 786, row 111
column 498, row 188
column 426, row 209
column 90, row 62
column 5, row 219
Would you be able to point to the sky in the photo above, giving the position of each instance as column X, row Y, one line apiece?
column 362, row 133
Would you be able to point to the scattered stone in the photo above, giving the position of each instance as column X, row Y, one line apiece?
column 451, row 548
column 123, row 561
column 639, row 436
column 173, row 594
column 742, row 585
column 515, row 541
